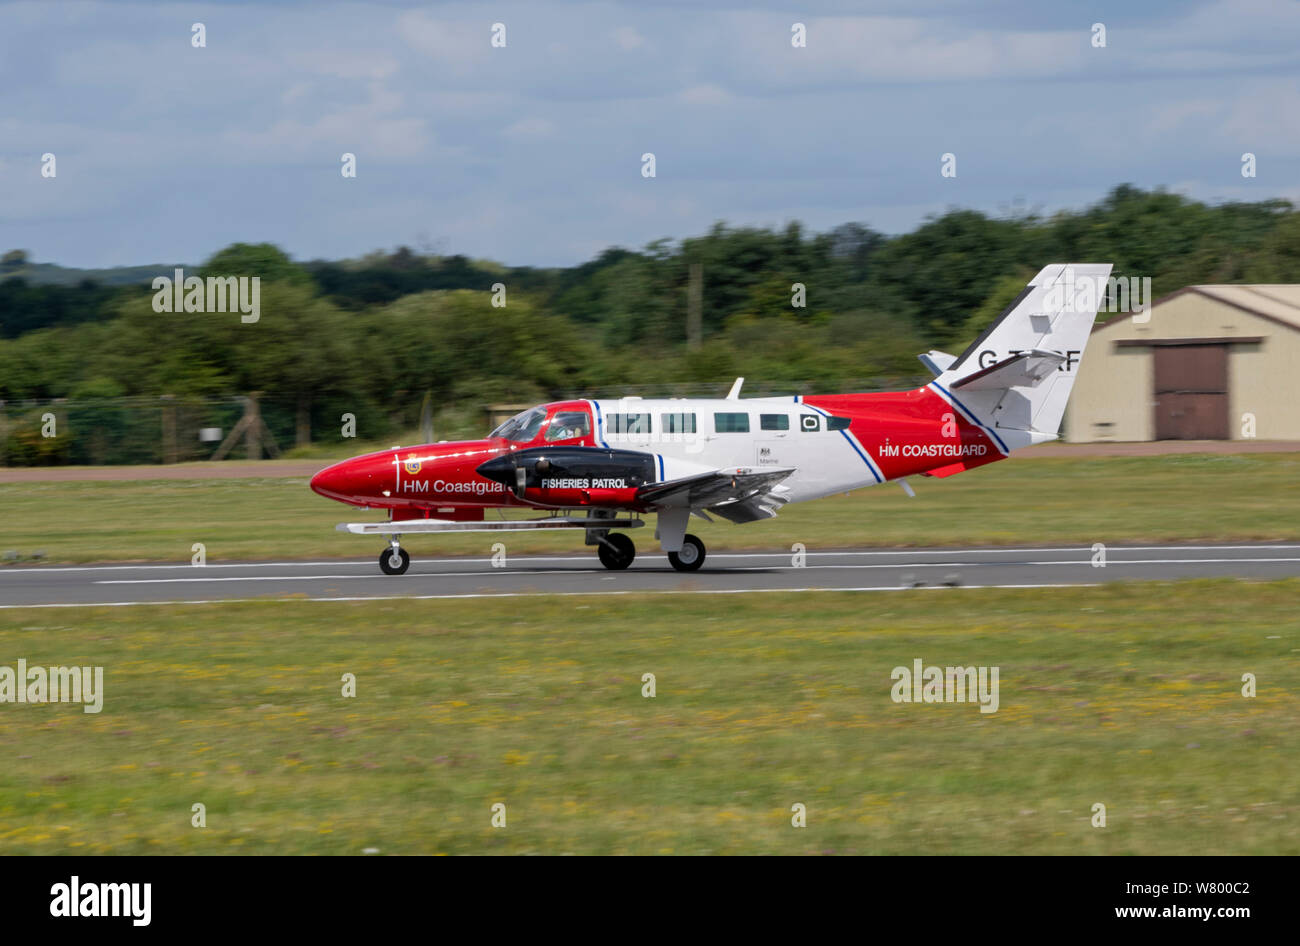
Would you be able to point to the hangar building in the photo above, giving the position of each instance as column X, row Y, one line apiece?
column 1207, row 363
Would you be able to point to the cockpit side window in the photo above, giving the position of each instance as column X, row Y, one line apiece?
column 568, row 425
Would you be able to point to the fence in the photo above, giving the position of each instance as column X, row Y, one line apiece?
column 152, row 430
column 130, row 430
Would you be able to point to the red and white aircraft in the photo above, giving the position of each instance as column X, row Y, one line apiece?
column 601, row 465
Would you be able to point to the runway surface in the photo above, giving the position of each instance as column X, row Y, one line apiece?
column 581, row 574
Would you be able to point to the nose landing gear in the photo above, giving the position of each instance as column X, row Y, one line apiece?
column 616, row 551
column 394, row 560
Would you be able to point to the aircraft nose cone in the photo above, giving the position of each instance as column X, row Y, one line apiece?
column 329, row 481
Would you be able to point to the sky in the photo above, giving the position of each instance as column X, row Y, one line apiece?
column 531, row 153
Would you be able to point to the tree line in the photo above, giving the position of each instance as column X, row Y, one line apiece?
column 372, row 335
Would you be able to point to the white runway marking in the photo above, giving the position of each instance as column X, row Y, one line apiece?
column 528, row 576
column 367, row 562
column 377, row 576
column 1111, row 563
column 535, row 594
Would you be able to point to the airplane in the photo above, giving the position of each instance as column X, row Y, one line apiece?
column 602, row 465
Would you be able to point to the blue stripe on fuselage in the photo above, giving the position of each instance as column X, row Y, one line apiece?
column 600, row 425
column 970, row 416
column 849, row 440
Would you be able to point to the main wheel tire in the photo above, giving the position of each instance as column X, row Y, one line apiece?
column 616, row 552
column 389, row 567
column 691, row 556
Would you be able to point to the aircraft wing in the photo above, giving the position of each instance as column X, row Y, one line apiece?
column 717, row 488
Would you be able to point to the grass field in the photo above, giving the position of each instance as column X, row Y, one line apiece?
column 1127, row 695
column 1024, row 500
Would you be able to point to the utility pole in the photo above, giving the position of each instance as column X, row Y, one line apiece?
column 254, row 431
column 426, row 418
column 694, row 304
column 169, row 451
column 302, row 422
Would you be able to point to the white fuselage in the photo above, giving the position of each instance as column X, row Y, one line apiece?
column 693, row 435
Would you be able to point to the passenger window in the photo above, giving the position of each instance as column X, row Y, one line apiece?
column 567, row 425
column 810, row 423
column 837, row 423
column 774, row 421
column 731, row 423
column 629, row 423
column 678, row 423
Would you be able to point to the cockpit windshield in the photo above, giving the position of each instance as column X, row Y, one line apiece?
column 522, row 427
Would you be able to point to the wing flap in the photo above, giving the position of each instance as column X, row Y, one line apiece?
column 714, row 488
column 761, row 506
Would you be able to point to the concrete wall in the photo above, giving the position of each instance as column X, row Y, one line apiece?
column 1112, row 397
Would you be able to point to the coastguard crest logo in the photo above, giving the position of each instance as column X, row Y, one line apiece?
column 412, row 466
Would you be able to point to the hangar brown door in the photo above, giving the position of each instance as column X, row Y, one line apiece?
column 1191, row 392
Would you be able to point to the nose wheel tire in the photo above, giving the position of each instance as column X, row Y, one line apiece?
column 616, row 551
column 690, row 557
column 394, row 561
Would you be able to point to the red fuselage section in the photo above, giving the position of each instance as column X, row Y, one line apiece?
column 441, row 481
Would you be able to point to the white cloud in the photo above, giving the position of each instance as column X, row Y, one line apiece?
column 375, row 129
column 1170, row 116
column 1260, row 118
column 295, row 92
column 746, row 127
column 344, row 63
column 705, row 94
column 455, row 46
column 530, row 128
column 628, row 38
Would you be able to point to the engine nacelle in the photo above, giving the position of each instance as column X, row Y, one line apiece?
column 572, row 476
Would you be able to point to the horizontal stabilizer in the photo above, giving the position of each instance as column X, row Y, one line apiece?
column 937, row 362
column 1024, row 370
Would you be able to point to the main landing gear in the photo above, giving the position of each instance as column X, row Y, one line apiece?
column 616, row 552
column 691, row 556
column 394, row 560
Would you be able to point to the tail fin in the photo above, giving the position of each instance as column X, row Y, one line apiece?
column 1017, row 376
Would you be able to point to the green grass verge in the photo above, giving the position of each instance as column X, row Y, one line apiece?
column 1023, row 500
column 1127, row 695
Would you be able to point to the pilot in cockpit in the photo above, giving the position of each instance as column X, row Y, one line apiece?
column 568, row 425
